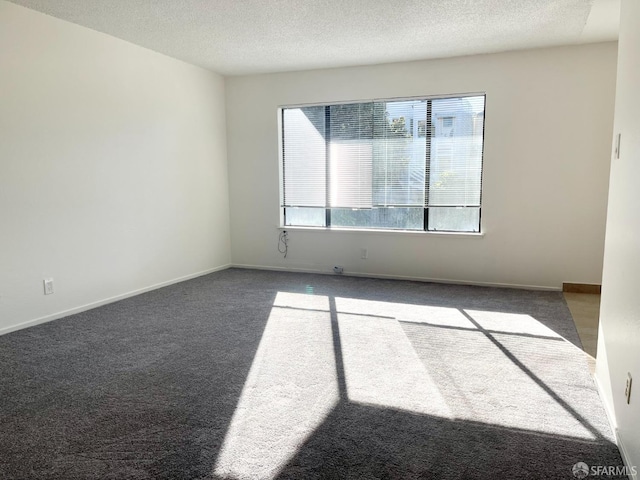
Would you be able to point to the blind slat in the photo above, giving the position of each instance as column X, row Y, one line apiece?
column 455, row 168
column 305, row 159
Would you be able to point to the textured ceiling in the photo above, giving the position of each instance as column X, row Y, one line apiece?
column 251, row 36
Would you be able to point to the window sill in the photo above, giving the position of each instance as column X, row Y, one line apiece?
column 383, row 232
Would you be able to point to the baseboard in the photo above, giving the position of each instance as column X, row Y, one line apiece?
column 394, row 277
column 607, row 408
column 626, row 459
column 581, row 288
column 99, row 303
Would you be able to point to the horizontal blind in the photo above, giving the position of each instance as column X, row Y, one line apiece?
column 351, row 155
column 376, row 155
column 456, row 127
column 304, row 157
column 399, row 153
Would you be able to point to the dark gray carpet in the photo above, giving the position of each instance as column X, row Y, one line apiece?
column 250, row 374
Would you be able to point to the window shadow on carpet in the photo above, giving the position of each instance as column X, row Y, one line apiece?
column 364, row 441
column 484, row 389
column 250, row 374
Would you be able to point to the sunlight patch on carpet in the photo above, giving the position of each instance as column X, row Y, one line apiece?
column 485, row 367
column 290, row 390
column 511, row 323
column 451, row 317
column 382, row 368
column 507, row 372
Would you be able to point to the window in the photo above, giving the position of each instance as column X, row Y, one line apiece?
column 392, row 164
column 447, row 122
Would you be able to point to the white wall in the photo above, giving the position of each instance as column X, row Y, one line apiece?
column 113, row 172
column 619, row 335
column 548, row 135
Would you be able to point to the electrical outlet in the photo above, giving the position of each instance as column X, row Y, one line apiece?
column 48, row 286
column 364, row 253
column 627, row 388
